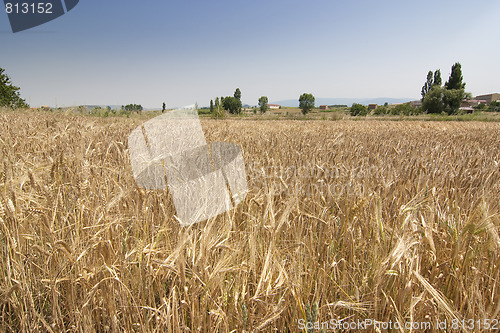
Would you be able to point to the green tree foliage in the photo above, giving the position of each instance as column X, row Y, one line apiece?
column 494, row 106
column 212, row 106
column 437, row 78
column 133, row 107
column 263, row 100
column 433, row 79
column 381, row 110
column 232, row 104
column 433, row 100
column 427, row 85
column 9, row 94
column 454, row 90
column 481, row 106
column 223, row 102
column 404, row 109
column 456, row 79
column 452, row 100
column 306, row 103
column 436, row 99
column 358, row 110
column 237, row 93
column 218, row 109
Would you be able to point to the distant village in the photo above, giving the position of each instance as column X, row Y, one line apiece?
column 468, row 105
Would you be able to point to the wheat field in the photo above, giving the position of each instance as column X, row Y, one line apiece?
column 345, row 220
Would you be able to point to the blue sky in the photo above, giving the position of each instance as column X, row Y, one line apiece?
column 182, row 52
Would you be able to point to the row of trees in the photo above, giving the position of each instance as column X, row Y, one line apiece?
column 405, row 109
column 232, row 104
column 9, row 94
column 306, row 103
column 493, row 107
column 132, row 107
column 436, row 97
column 447, row 98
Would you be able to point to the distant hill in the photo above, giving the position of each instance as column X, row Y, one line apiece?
column 347, row 101
column 113, row 107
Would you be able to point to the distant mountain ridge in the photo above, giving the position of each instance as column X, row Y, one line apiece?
column 103, row 106
column 345, row 101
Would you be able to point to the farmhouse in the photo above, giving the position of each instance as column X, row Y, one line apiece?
column 473, row 102
column 274, row 106
column 372, row 107
column 323, row 107
column 489, row 98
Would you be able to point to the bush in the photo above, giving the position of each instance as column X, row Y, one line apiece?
column 418, row 110
column 132, row 107
column 232, row 104
column 494, row 106
column 381, row 110
column 480, row 107
column 403, row 109
column 202, row 111
column 452, row 100
column 358, row 110
column 433, row 100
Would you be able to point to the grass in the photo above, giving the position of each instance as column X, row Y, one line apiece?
column 345, row 220
column 343, row 114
